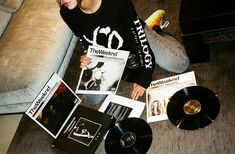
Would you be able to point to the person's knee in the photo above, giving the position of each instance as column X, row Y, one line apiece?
column 182, row 65
column 177, row 63
column 169, row 53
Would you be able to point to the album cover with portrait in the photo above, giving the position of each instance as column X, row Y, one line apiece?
column 160, row 92
column 103, row 74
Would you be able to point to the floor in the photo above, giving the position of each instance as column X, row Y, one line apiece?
column 8, row 126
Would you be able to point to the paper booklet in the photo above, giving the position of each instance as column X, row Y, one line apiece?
column 160, row 92
column 122, row 107
column 74, row 127
column 104, row 73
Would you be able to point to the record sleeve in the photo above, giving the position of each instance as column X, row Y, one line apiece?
column 121, row 107
column 84, row 131
column 160, row 91
column 103, row 74
column 74, row 127
column 53, row 105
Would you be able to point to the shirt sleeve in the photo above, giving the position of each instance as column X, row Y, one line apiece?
column 138, row 42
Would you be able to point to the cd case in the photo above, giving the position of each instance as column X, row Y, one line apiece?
column 58, row 110
column 160, row 92
column 103, row 74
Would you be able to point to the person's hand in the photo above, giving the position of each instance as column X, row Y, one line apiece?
column 137, row 91
column 85, row 60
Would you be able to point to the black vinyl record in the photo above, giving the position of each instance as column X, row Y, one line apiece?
column 129, row 136
column 193, row 107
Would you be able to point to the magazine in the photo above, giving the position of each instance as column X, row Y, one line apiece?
column 160, row 92
column 122, row 107
column 104, row 73
column 58, row 110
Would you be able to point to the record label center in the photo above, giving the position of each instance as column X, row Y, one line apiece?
column 127, row 139
column 192, row 107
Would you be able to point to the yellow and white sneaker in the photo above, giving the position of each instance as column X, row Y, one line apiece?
column 156, row 19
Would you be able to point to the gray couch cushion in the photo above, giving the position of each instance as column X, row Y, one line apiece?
column 4, row 19
column 10, row 5
column 35, row 44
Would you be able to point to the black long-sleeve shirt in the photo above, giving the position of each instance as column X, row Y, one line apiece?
column 115, row 25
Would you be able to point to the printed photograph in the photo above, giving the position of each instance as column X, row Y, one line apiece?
column 156, row 108
column 101, row 76
column 157, row 104
column 120, row 112
column 84, row 131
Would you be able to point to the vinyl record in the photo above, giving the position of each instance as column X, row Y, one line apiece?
column 129, row 136
column 193, row 107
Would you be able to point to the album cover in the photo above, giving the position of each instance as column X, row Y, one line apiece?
column 74, row 127
column 84, row 131
column 104, row 73
column 160, row 92
column 53, row 105
column 122, row 107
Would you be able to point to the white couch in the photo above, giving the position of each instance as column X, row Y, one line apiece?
column 34, row 43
